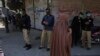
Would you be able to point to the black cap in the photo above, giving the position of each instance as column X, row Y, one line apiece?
column 48, row 9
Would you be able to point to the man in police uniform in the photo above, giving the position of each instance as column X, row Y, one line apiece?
column 87, row 24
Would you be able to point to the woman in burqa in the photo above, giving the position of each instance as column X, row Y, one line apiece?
column 61, row 38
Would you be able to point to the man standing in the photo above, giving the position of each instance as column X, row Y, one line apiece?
column 87, row 24
column 26, row 26
column 76, row 28
column 6, row 23
column 48, row 23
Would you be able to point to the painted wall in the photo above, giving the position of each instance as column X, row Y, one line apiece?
column 70, row 6
column 40, row 6
column 29, row 10
column 0, row 4
column 73, row 6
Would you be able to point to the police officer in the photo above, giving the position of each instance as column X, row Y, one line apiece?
column 87, row 25
column 26, row 26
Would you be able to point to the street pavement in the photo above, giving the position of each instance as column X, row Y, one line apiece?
column 12, row 45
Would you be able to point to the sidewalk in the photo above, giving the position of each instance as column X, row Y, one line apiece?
column 12, row 45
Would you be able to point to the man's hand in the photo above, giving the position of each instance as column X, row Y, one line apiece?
column 89, row 20
column 45, row 22
column 70, row 30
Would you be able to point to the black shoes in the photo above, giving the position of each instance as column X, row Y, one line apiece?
column 88, row 48
column 41, row 47
column 48, row 49
column 25, row 46
column 82, row 46
column 28, row 46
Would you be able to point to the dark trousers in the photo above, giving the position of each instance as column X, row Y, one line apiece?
column 76, row 36
column 7, row 28
column 6, row 25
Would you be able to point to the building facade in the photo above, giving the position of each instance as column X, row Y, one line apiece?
column 36, row 8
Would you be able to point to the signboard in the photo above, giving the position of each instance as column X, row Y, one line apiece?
column 39, row 6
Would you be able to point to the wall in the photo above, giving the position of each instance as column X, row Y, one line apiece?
column 36, row 11
column 0, row 4
column 29, row 10
column 40, row 6
column 73, row 6
column 70, row 6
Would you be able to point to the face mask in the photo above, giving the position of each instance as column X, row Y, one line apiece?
column 81, row 16
column 88, row 14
